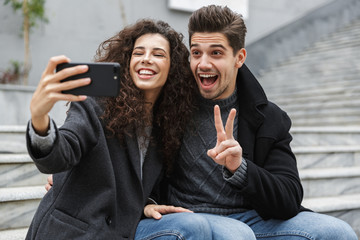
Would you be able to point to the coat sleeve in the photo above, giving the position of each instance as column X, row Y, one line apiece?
column 76, row 137
column 273, row 186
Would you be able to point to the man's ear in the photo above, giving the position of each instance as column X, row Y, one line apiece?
column 240, row 57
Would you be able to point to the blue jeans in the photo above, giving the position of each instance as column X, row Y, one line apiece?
column 244, row 226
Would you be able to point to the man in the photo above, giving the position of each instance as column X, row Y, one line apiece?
column 247, row 186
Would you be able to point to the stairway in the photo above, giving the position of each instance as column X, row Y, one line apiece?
column 21, row 184
column 319, row 88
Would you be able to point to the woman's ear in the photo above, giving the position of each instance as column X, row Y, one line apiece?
column 240, row 56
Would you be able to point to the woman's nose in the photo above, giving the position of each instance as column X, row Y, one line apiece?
column 147, row 59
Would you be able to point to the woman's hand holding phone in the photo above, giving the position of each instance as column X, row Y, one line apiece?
column 50, row 90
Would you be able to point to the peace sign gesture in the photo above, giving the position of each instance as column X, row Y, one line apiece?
column 227, row 151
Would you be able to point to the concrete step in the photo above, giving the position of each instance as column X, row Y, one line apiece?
column 327, row 156
column 343, row 119
column 321, row 113
column 322, row 87
column 306, row 98
column 12, row 139
column 13, row 234
column 324, row 136
column 345, row 207
column 326, row 182
column 19, row 170
column 18, row 206
column 321, row 103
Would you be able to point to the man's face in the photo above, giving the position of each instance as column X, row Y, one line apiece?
column 214, row 65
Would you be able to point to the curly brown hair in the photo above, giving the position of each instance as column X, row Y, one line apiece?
column 173, row 108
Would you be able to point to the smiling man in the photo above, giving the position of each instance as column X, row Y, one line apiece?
column 242, row 179
column 211, row 56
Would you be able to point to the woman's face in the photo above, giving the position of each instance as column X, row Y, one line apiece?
column 150, row 64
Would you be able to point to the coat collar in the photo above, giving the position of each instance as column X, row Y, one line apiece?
column 251, row 97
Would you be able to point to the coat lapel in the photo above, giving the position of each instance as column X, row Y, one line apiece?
column 151, row 169
column 134, row 155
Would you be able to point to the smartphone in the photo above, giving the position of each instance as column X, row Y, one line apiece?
column 105, row 79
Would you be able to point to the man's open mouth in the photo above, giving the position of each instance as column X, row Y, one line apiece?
column 208, row 79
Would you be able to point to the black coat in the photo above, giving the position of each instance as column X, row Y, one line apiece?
column 273, row 186
column 97, row 191
column 274, row 189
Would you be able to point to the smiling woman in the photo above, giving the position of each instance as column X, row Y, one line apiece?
column 110, row 151
column 150, row 64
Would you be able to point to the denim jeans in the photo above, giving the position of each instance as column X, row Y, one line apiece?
column 244, row 226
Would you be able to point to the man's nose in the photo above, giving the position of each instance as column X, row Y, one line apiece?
column 204, row 63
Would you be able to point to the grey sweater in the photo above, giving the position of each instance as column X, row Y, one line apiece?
column 197, row 182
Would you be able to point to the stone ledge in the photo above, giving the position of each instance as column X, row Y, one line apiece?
column 326, row 129
column 326, row 149
column 13, row 234
column 21, row 193
column 15, row 158
column 12, row 128
column 333, row 204
column 346, row 172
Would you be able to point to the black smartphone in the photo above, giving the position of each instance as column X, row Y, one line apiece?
column 105, row 79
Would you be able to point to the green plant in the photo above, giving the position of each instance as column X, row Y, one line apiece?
column 32, row 11
column 12, row 74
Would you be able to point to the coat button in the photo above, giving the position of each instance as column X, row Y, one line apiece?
column 108, row 220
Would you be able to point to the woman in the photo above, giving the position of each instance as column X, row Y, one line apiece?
column 109, row 153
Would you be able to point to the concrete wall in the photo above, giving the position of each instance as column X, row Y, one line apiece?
column 15, row 105
column 76, row 28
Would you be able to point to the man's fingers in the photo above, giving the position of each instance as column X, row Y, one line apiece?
column 229, row 127
column 47, row 187
column 212, row 153
column 219, row 124
column 231, row 151
column 50, row 179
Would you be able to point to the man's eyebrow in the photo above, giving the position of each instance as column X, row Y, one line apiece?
column 212, row 46
column 217, row 45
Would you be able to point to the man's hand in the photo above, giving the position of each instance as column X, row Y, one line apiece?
column 156, row 211
column 49, row 183
column 227, row 151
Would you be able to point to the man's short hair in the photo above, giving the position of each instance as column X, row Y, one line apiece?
column 220, row 19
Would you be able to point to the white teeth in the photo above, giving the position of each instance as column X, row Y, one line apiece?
column 206, row 75
column 146, row 72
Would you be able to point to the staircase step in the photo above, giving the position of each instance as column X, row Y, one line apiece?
column 329, row 120
column 18, row 206
column 328, row 135
column 19, row 170
column 13, row 234
column 12, row 139
column 345, row 207
column 333, row 204
column 327, row 156
column 330, row 181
